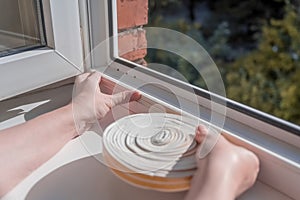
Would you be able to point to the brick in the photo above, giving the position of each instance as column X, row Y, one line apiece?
column 133, row 44
column 132, row 13
column 134, row 55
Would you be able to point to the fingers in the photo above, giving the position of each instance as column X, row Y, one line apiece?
column 201, row 132
column 135, row 96
column 95, row 77
column 112, row 100
column 125, row 97
column 207, row 138
column 92, row 76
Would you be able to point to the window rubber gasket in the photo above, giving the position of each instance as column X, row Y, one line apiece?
column 244, row 109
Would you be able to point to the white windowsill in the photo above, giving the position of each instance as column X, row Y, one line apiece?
column 85, row 173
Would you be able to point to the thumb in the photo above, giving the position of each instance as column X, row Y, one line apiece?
column 125, row 97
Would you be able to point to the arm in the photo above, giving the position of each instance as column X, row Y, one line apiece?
column 25, row 147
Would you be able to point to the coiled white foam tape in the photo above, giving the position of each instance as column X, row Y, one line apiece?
column 153, row 150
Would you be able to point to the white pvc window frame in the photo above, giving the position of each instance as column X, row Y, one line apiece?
column 275, row 141
column 61, row 59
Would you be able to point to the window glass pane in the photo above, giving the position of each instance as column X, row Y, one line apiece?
column 20, row 26
column 255, row 44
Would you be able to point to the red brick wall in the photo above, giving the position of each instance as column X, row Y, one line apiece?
column 132, row 15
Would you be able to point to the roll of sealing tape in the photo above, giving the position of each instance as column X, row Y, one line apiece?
column 154, row 150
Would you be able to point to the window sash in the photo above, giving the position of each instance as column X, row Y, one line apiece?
column 275, row 141
column 63, row 58
column 111, row 26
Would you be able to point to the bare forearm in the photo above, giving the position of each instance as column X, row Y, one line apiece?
column 25, row 147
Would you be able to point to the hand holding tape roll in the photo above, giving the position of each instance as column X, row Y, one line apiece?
column 154, row 150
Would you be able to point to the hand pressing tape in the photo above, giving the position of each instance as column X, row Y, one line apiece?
column 154, row 150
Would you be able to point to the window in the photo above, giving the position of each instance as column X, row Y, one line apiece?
column 87, row 37
column 21, row 26
column 256, row 49
column 274, row 140
column 38, row 46
column 243, row 71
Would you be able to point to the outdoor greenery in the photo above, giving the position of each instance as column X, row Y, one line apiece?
column 255, row 44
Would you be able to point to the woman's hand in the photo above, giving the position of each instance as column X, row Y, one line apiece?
column 90, row 104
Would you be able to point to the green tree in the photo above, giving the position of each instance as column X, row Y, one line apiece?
column 269, row 78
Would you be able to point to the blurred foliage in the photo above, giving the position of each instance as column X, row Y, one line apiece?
column 217, row 45
column 255, row 44
column 269, row 78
